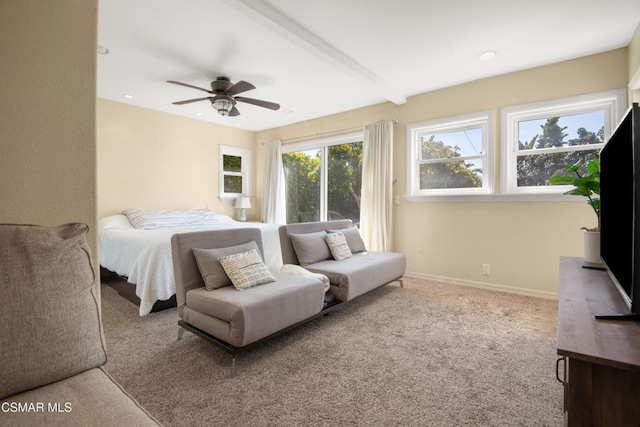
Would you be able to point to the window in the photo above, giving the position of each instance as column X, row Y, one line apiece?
column 450, row 156
column 538, row 138
column 235, row 172
column 323, row 179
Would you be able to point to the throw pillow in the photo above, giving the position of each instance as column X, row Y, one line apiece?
column 50, row 322
column 310, row 247
column 354, row 239
column 150, row 220
column 246, row 269
column 338, row 246
column 211, row 270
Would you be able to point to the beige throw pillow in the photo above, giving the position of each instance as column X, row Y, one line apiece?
column 338, row 246
column 49, row 322
column 246, row 270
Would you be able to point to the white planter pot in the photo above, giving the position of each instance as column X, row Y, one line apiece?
column 592, row 247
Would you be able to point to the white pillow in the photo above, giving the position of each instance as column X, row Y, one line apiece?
column 338, row 246
column 246, row 269
column 114, row 221
column 149, row 220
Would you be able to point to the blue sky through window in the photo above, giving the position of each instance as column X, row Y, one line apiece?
column 590, row 121
column 469, row 141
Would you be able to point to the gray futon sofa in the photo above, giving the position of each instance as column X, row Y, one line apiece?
column 210, row 306
column 360, row 272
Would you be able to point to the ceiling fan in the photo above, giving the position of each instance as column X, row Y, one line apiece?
column 223, row 96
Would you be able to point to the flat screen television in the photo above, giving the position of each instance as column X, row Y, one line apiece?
column 620, row 211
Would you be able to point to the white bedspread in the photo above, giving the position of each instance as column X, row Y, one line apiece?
column 144, row 256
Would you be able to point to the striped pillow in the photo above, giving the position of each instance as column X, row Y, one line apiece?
column 246, row 269
column 149, row 220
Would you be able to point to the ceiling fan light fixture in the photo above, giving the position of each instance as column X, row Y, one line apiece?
column 223, row 106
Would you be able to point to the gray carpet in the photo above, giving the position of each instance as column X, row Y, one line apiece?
column 427, row 355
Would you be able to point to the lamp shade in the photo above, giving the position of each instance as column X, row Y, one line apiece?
column 243, row 202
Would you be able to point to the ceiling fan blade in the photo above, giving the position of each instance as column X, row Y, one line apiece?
column 188, row 85
column 239, row 87
column 258, row 102
column 234, row 112
column 188, row 101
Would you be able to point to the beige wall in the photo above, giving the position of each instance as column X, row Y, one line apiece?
column 451, row 240
column 47, row 124
column 153, row 160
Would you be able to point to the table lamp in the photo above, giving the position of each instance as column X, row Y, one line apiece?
column 243, row 203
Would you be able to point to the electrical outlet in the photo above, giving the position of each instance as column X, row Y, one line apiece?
column 486, row 269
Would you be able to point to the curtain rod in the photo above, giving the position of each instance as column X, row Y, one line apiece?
column 323, row 134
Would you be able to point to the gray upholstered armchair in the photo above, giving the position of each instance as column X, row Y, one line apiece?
column 52, row 346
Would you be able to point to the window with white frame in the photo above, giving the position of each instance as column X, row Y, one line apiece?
column 323, row 179
column 538, row 138
column 234, row 172
column 450, row 156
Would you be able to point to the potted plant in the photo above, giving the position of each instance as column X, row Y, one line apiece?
column 585, row 184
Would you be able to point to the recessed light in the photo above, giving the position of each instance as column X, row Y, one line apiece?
column 199, row 113
column 102, row 50
column 490, row 54
column 126, row 95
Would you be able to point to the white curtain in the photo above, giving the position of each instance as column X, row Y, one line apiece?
column 377, row 182
column 273, row 199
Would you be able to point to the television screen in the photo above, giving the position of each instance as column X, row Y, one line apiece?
column 619, row 203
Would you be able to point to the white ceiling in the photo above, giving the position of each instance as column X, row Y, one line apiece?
column 319, row 57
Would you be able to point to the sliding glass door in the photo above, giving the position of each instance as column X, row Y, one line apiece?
column 323, row 180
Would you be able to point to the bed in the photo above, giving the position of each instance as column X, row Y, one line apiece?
column 142, row 255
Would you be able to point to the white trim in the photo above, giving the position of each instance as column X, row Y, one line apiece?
column 245, row 154
column 498, row 197
column 484, row 285
column 483, row 120
column 612, row 103
column 314, row 144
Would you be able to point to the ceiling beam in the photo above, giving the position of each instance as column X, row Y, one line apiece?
column 276, row 21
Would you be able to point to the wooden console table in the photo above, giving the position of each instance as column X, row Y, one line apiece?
column 601, row 357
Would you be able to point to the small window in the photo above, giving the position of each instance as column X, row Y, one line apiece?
column 450, row 156
column 235, row 168
column 538, row 138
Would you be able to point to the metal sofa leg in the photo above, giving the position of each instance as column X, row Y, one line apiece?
column 234, row 370
column 180, row 333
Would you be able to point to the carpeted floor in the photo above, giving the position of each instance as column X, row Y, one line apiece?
column 429, row 354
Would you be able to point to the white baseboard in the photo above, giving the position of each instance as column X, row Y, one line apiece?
column 484, row 285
